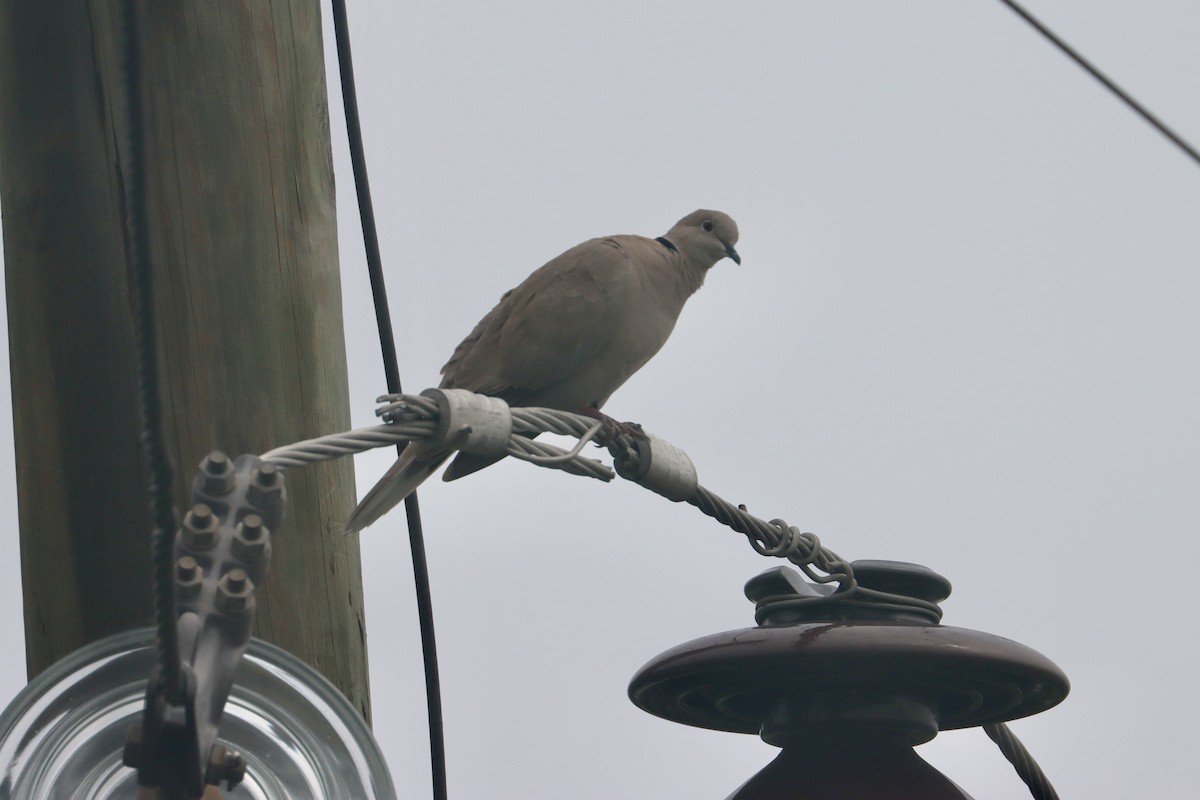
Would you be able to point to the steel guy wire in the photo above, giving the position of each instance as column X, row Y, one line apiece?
column 413, row 418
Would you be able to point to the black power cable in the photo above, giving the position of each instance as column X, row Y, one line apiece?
column 1104, row 79
column 387, row 343
column 158, row 462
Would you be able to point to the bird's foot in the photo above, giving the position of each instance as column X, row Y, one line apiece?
column 612, row 429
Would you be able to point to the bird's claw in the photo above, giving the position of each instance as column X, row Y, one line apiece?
column 631, row 429
column 623, row 436
column 613, row 429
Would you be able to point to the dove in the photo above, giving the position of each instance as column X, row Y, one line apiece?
column 568, row 336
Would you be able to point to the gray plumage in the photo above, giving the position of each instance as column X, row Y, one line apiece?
column 569, row 336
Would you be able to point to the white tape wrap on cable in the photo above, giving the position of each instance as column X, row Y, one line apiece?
column 474, row 423
column 664, row 469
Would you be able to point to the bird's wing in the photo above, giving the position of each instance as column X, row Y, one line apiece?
column 549, row 327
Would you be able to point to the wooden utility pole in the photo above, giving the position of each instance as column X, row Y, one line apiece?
column 243, row 232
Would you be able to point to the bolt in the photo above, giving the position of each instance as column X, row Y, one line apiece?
column 218, row 473
column 132, row 755
column 235, row 770
column 235, row 592
column 189, row 576
column 224, row 765
column 236, row 580
column 199, row 527
column 266, row 486
column 251, row 538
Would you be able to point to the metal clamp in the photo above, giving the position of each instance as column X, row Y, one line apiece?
column 473, row 423
column 222, row 551
column 659, row 466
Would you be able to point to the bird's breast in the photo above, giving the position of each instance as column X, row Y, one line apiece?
column 633, row 339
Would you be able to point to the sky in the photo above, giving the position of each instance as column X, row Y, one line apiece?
column 963, row 335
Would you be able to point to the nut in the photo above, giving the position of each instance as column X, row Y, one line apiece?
column 235, row 592
column 224, row 765
column 251, row 539
column 218, row 473
column 266, row 486
column 189, row 577
column 132, row 754
column 199, row 527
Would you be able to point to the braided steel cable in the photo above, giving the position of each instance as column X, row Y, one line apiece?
column 1027, row 768
column 416, row 418
column 360, row 440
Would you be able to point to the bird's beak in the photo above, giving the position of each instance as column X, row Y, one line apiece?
column 729, row 251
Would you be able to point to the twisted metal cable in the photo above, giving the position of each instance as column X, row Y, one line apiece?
column 777, row 539
column 327, row 448
column 780, row 540
column 158, row 463
column 336, row 445
column 1027, row 768
column 415, row 418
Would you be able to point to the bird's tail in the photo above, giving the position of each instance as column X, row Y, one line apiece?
column 414, row 465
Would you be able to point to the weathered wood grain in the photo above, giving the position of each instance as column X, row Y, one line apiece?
column 248, row 296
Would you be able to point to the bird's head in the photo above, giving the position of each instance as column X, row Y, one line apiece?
column 705, row 237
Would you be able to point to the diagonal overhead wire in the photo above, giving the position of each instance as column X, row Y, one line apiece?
column 1095, row 72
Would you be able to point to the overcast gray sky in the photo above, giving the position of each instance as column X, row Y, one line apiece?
column 964, row 334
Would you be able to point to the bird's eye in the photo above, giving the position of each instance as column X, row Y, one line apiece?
column 707, row 225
